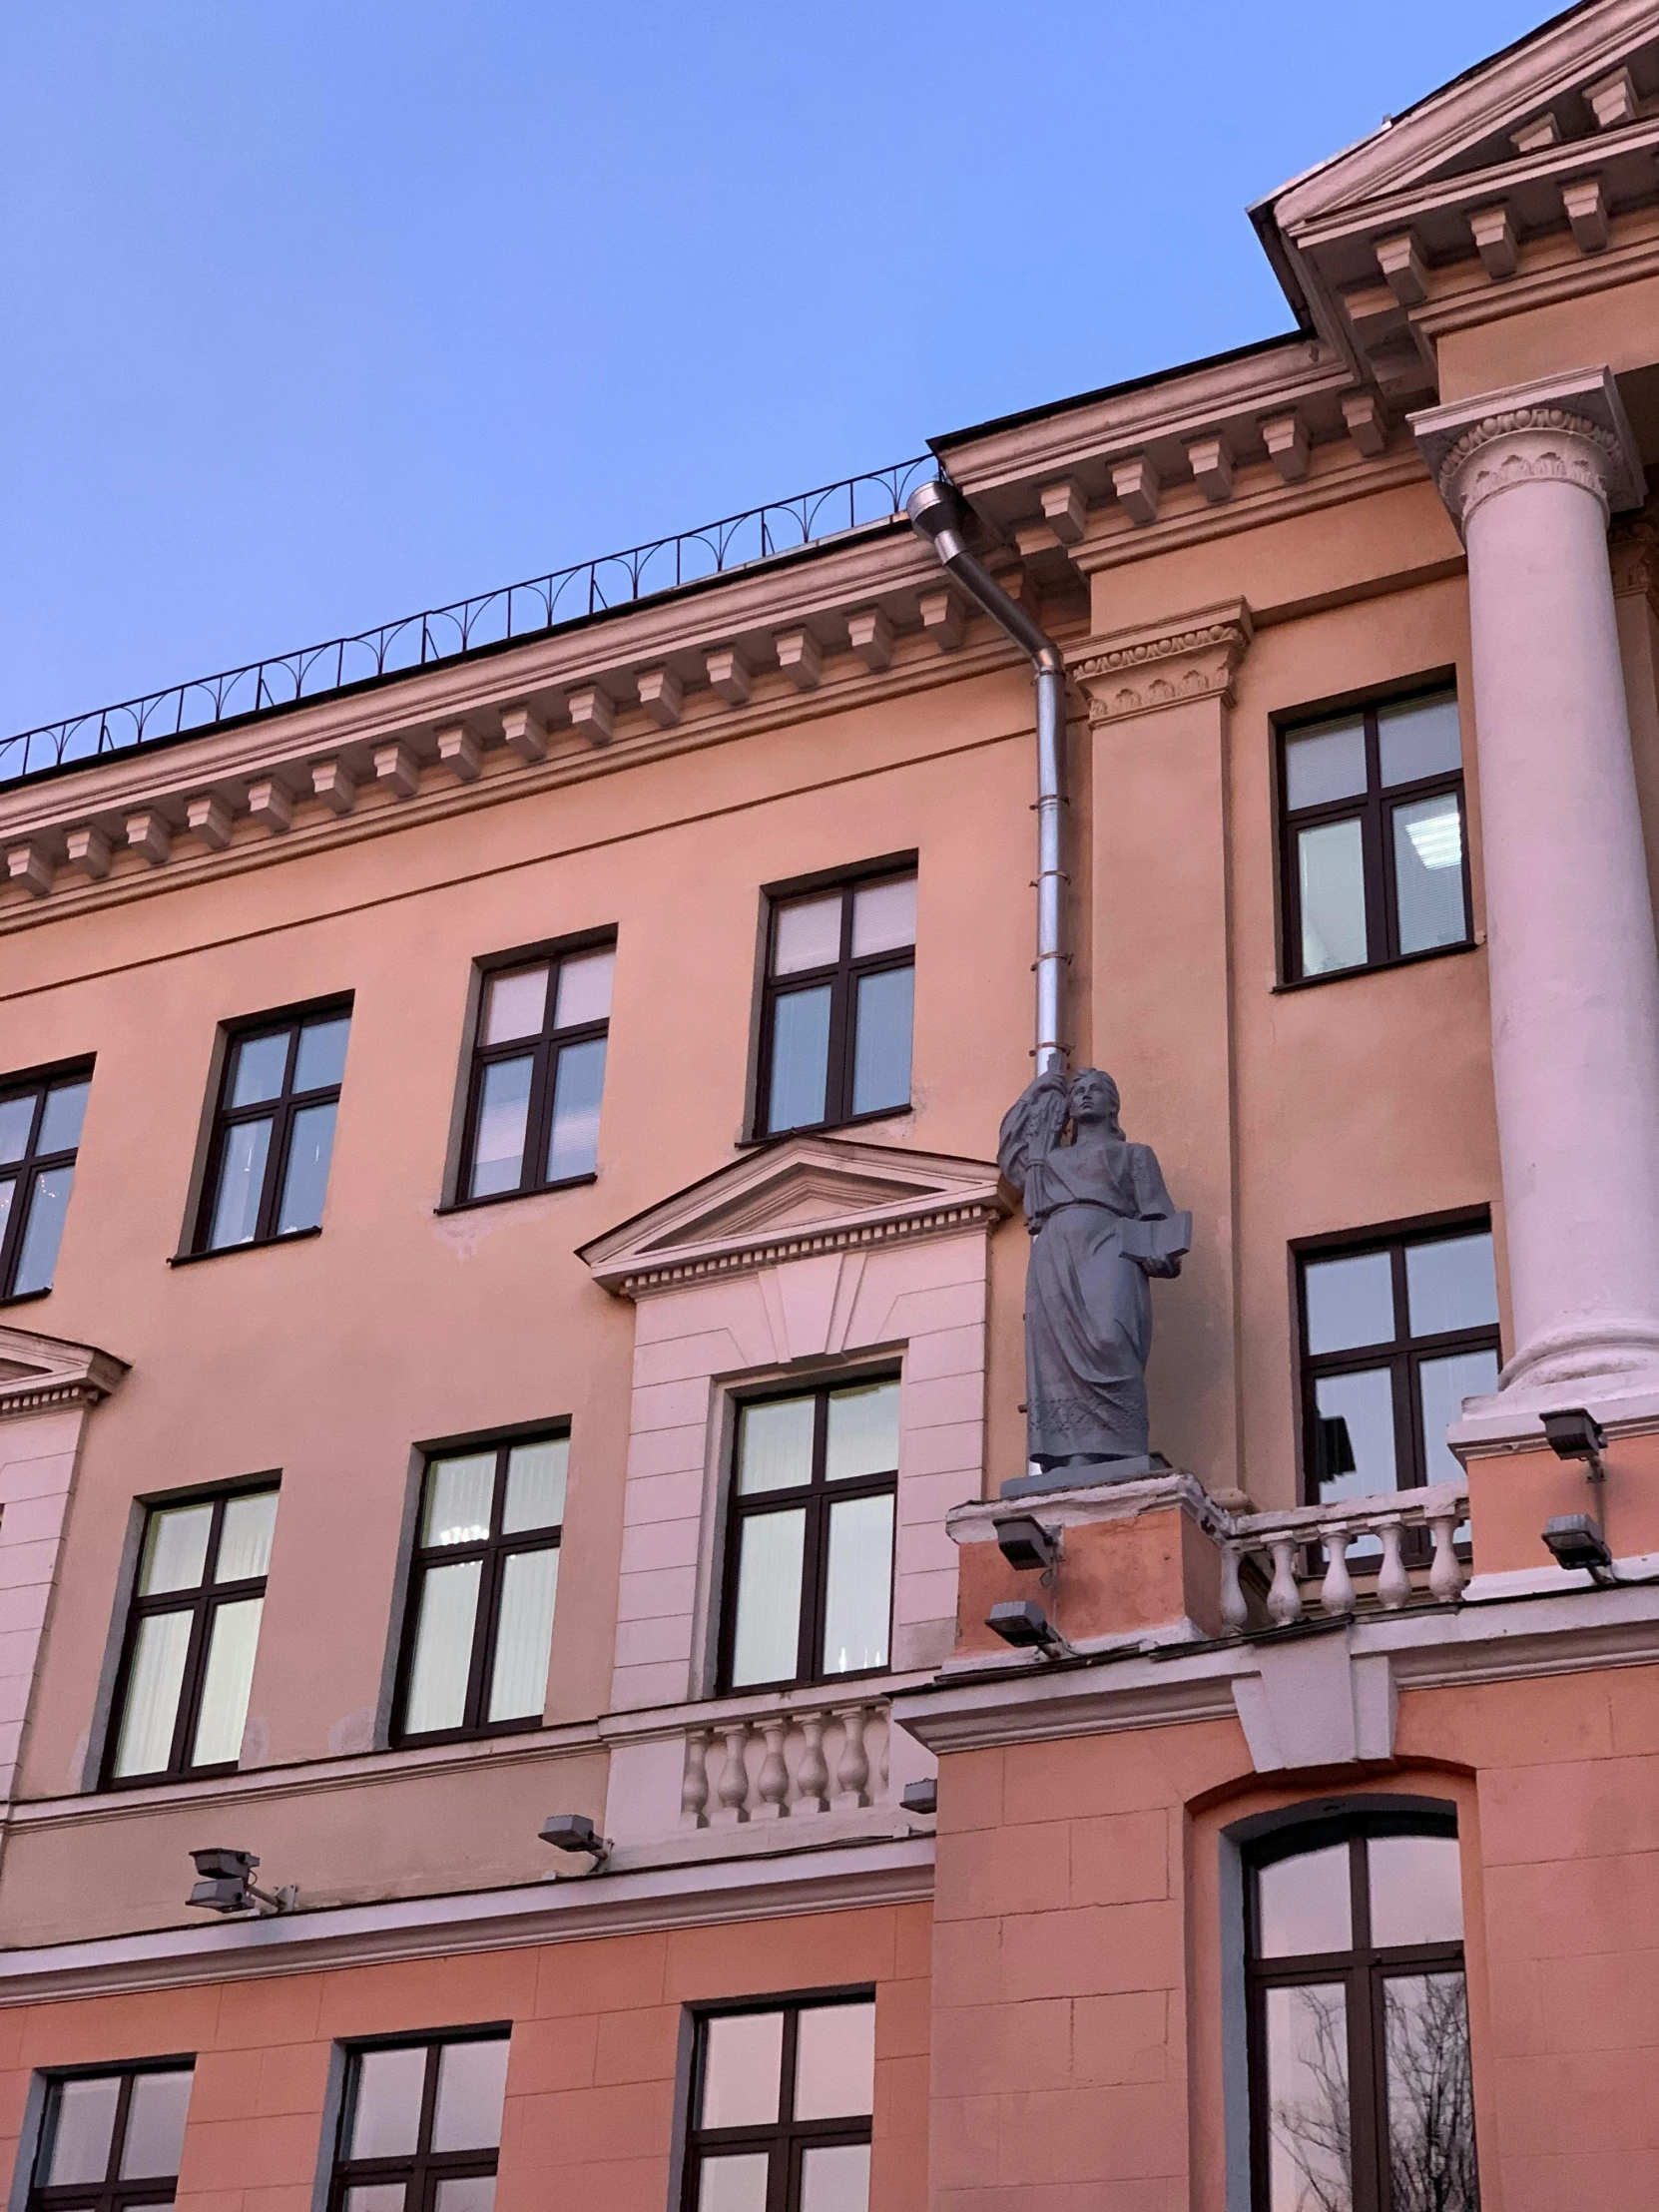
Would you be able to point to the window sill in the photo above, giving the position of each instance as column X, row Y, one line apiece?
column 26, row 1298
column 255, row 1244
column 449, row 1739
column 1380, row 967
column 829, row 1128
column 124, row 1784
column 507, row 1198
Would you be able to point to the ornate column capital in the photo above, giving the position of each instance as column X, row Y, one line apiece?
column 1164, row 664
column 1570, row 428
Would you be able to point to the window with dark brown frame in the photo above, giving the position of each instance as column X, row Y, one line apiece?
column 1396, row 1330
column 274, row 1128
column 111, row 2139
column 839, row 1002
column 1360, row 2084
column 420, row 2126
column 483, row 1587
column 1372, row 836
column 191, row 1636
column 538, row 1072
column 809, row 1536
column 781, row 2101
column 40, row 1136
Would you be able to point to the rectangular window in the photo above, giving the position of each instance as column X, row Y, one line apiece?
column 479, row 1625
column 809, row 1539
column 839, row 995
column 781, row 2099
column 182, row 1697
column 40, row 1135
column 274, row 1129
column 1371, row 836
column 538, row 1073
column 1360, row 2089
column 110, row 2140
column 420, row 2126
column 1395, row 1333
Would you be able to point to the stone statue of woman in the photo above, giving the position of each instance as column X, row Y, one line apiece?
column 1101, row 1222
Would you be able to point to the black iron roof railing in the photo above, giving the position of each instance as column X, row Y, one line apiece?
column 441, row 633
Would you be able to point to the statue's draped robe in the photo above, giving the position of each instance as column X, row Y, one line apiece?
column 1088, row 1309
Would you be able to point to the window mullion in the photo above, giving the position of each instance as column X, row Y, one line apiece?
column 189, row 1685
column 538, row 1110
column 481, row 1659
column 274, row 1167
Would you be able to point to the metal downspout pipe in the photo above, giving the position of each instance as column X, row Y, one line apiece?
column 937, row 512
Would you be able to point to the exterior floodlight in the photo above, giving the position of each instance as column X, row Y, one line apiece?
column 225, row 1884
column 1025, row 1544
column 1575, row 1539
column 921, row 1797
column 1027, row 1628
column 1574, row 1435
column 576, row 1832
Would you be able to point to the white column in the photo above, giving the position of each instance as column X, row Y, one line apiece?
column 1530, row 476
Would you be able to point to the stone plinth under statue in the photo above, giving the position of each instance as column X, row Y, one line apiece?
column 1101, row 1223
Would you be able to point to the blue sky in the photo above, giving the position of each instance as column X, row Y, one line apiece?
column 317, row 311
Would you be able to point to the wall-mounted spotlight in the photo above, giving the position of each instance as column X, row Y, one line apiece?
column 1576, row 1540
column 1574, row 1435
column 224, row 1884
column 921, row 1797
column 1025, row 1544
column 574, row 1831
column 1024, row 1624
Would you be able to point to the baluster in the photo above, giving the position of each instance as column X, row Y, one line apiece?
column 812, row 1777
column 1284, row 1599
column 1393, row 1585
column 1336, row 1590
column 772, row 1784
column 732, row 1787
column 694, row 1787
column 1235, row 1611
column 1446, row 1575
column 852, row 1766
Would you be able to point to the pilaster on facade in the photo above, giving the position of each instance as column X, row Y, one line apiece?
column 1157, row 665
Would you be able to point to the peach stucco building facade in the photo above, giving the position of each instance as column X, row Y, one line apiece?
column 509, row 1315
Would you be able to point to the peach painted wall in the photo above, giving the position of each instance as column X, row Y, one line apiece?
column 1365, row 1099
column 591, row 2080
column 330, row 1358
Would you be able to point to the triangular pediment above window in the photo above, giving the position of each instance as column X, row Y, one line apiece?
column 801, row 1196
column 37, row 1371
column 1553, row 139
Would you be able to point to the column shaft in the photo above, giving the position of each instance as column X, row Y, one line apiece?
column 1573, row 967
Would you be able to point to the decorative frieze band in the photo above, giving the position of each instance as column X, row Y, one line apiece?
column 1166, row 664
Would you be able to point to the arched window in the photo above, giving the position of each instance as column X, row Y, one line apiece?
column 1359, row 2090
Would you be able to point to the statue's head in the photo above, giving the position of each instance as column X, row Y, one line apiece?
column 1094, row 1100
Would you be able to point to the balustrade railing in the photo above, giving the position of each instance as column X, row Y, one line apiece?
column 792, row 1764
column 1286, row 1541
column 467, row 627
